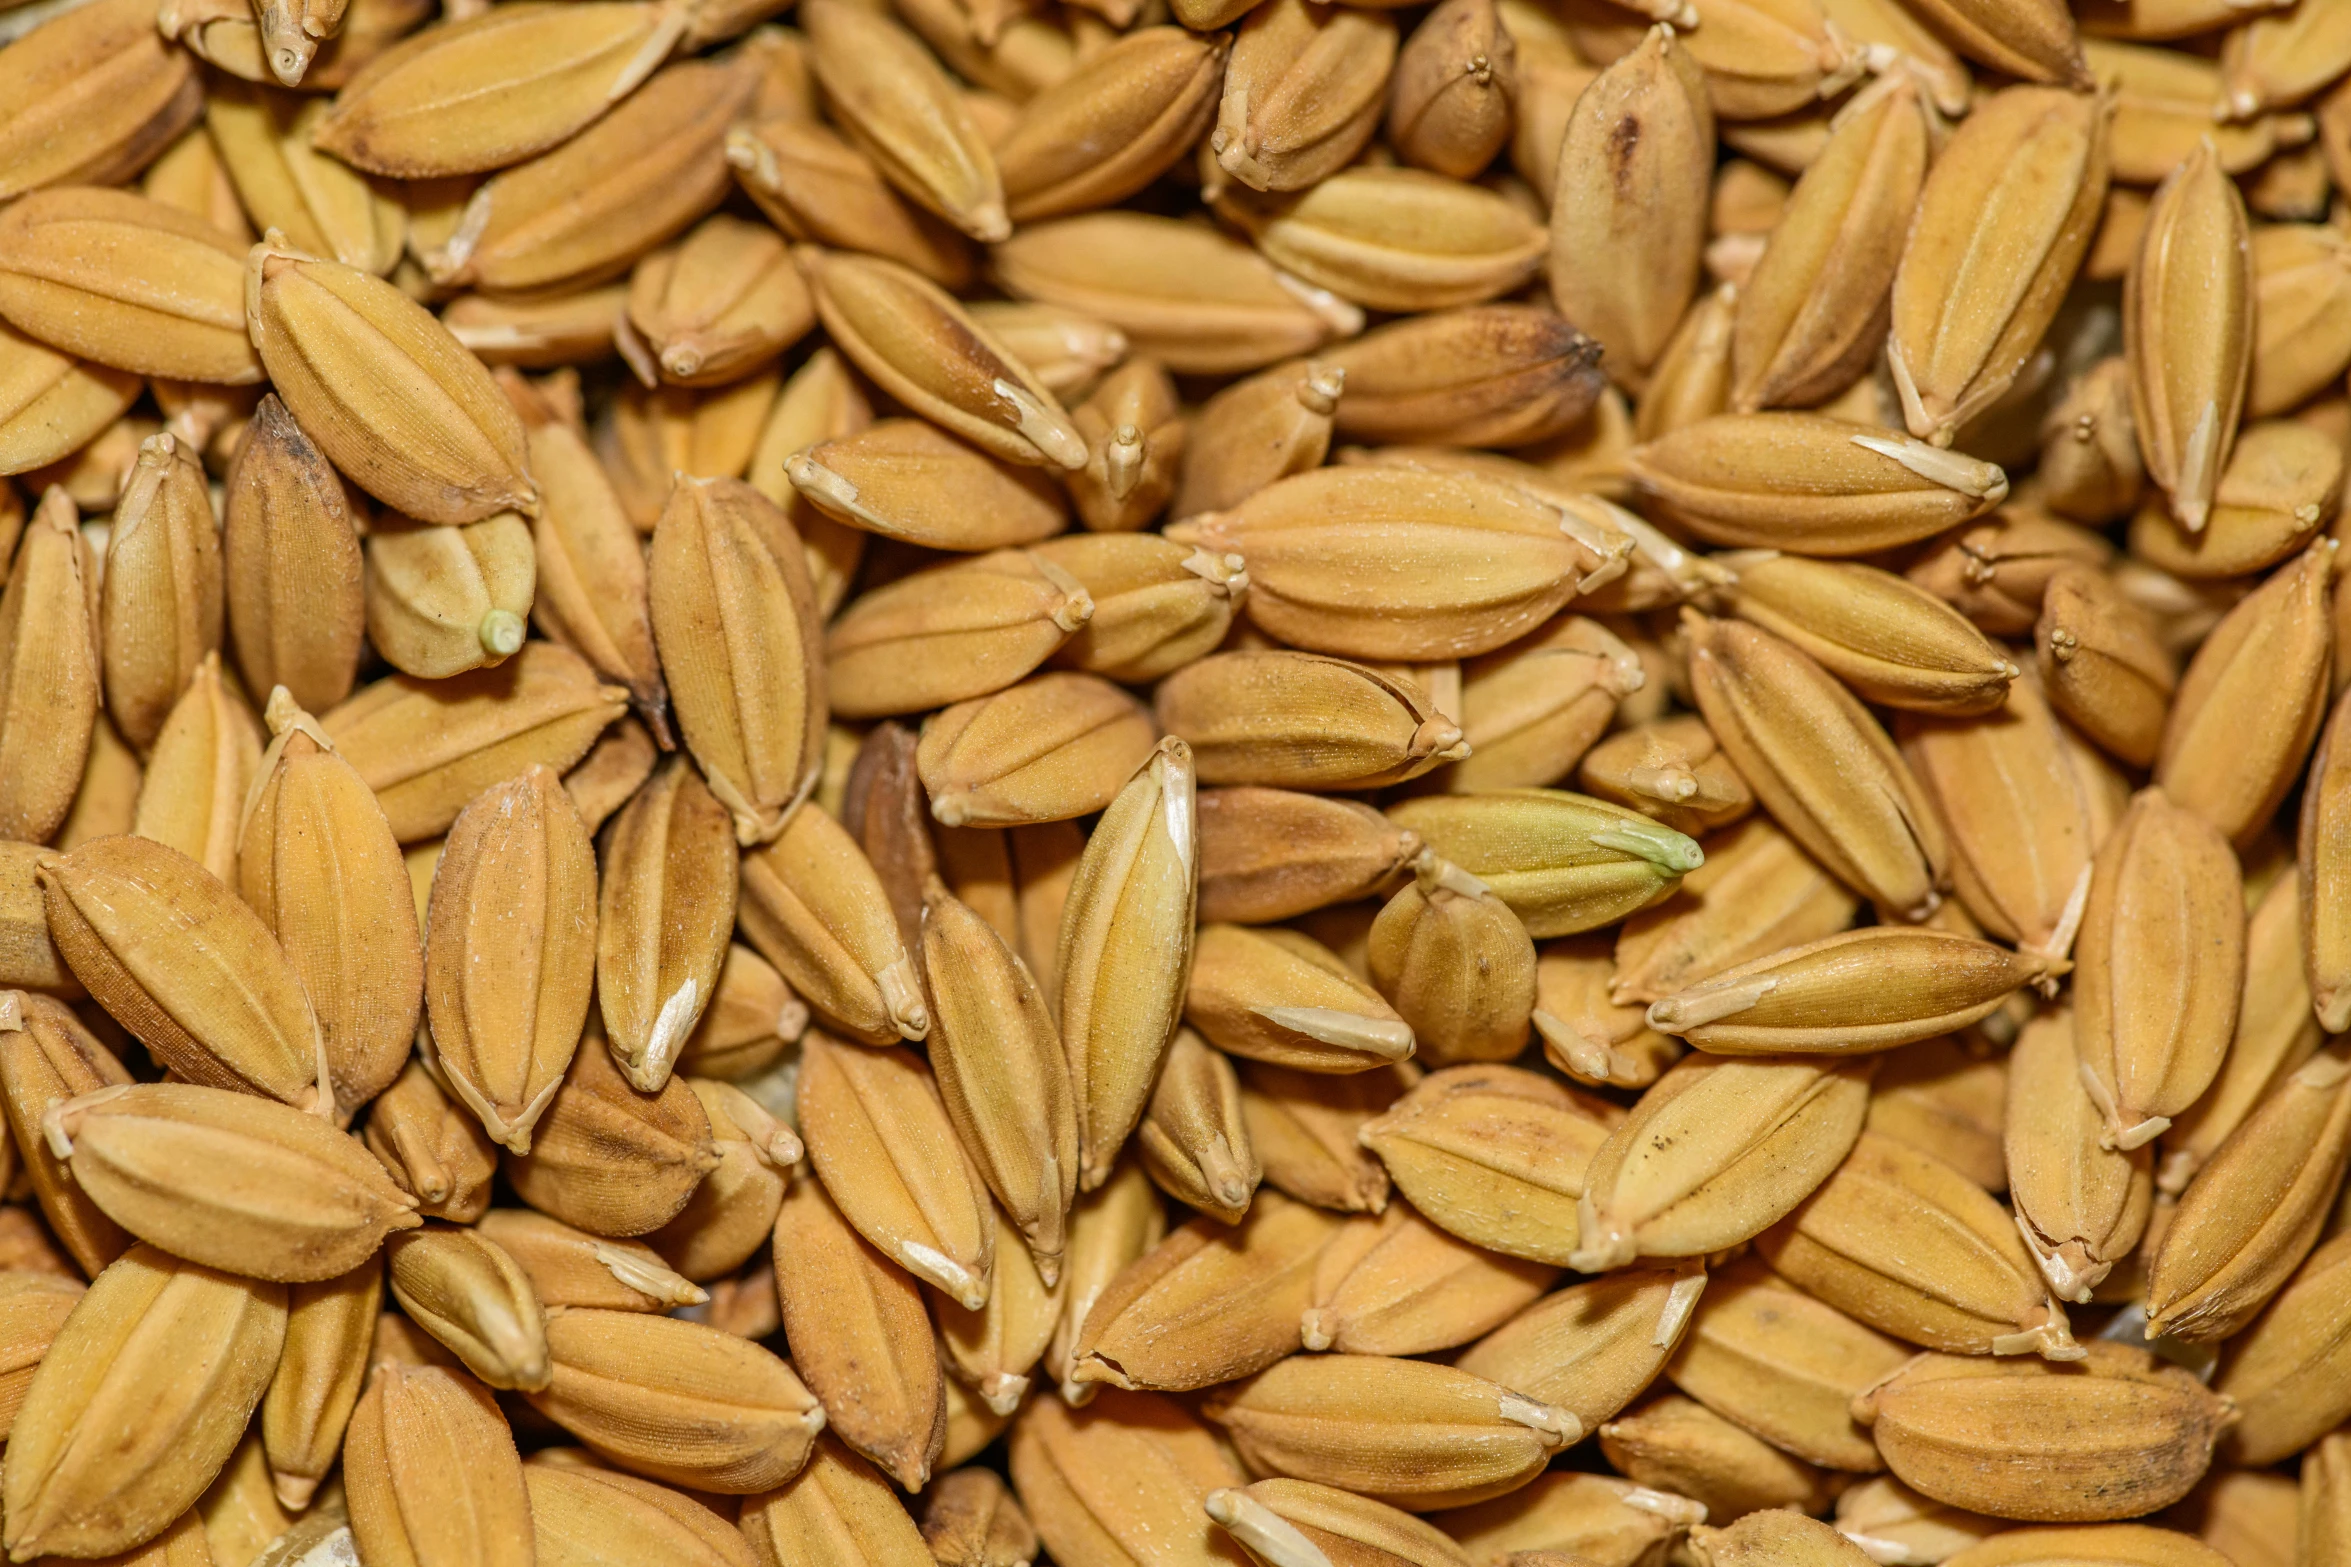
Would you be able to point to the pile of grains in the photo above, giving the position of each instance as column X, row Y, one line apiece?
column 1175, row 783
